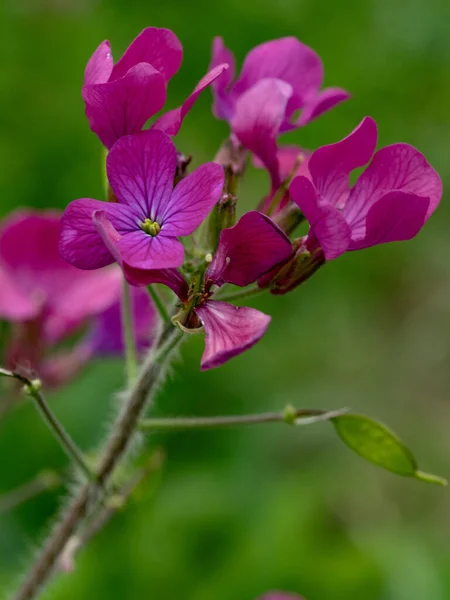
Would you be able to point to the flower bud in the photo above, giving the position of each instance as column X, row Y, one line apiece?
column 222, row 216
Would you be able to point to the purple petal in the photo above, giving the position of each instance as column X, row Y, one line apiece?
column 323, row 101
column 229, row 330
column 257, row 120
column 171, row 278
column 100, row 65
column 80, row 243
column 159, row 47
column 142, row 251
column 192, row 200
column 248, row 250
column 286, row 59
column 396, row 167
column 141, row 170
column 171, row 121
column 223, row 105
column 15, row 304
column 330, row 166
column 123, row 106
column 396, row 216
column 326, row 222
column 287, row 160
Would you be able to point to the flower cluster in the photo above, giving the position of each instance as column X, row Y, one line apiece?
column 162, row 225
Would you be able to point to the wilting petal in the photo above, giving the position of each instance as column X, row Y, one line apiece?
column 286, row 59
column 141, row 169
column 223, row 104
column 123, row 106
column 171, row 121
column 157, row 46
column 192, row 200
column 257, row 120
column 326, row 222
column 248, row 250
column 106, row 334
column 229, row 330
column 396, row 167
column 323, row 101
column 142, row 251
column 396, row 216
column 330, row 166
column 15, row 305
column 171, row 278
column 100, row 65
column 80, row 243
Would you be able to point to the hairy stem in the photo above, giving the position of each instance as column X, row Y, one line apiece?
column 117, row 444
column 129, row 341
column 253, row 290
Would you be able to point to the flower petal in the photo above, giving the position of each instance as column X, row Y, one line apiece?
column 330, row 166
column 396, row 216
column 230, row 330
column 257, row 120
column 395, row 167
column 323, row 101
column 100, row 65
column 157, row 46
column 123, row 106
column 171, row 121
column 326, row 222
column 223, row 105
column 142, row 251
column 15, row 304
column 80, row 243
column 141, row 170
column 286, row 59
column 248, row 250
column 192, row 200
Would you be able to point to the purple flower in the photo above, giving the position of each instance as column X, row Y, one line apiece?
column 44, row 297
column 121, row 98
column 278, row 79
column 150, row 214
column 390, row 201
column 245, row 252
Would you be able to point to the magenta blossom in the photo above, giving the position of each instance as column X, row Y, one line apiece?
column 121, row 98
column 44, row 297
column 390, row 201
column 150, row 214
column 245, row 252
column 278, row 79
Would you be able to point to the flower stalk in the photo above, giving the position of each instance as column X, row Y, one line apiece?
column 129, row 340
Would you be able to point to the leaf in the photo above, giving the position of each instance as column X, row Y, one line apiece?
column 379, row 445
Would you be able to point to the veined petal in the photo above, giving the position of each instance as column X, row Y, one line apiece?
column 192, row 200
column 141, row 170
column 157, row 46
column 121, row 107
column 286, row 59
column 80, row 243
column 323, row 101
column 330, row 166
column 100, row 65
column 229, row 330
column 396, row 216
column 142, row 251
column 258, row 116
column 171, row 121
column 248, row 250
column 223, row 104
column 397, row 167
column 326, row 222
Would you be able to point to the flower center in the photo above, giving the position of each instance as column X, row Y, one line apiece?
column 150, row 227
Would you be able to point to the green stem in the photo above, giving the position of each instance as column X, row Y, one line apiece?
column 289, row 415
column 159, row 304
column 33, row 390
column 245, row 293
column 131, row 355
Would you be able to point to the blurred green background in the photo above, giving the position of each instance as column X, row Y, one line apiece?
column 238, row 512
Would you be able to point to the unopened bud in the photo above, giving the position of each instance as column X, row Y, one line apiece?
column 182, row 164
column 222, row 217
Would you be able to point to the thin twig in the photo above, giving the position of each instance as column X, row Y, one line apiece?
column 253, row 290
column 47, row 480
column 159, row 303
column 129, row 338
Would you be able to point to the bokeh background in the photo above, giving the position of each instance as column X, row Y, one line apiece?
column 238, row 512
